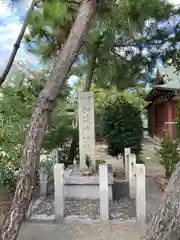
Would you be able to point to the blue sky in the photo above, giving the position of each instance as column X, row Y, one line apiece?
column 10, row 25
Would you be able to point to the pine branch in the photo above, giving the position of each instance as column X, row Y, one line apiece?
column 16, row 45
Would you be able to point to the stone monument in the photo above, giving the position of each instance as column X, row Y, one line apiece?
column 86, row 128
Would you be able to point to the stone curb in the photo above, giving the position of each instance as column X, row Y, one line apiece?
column 42, row 218
column 76, row 219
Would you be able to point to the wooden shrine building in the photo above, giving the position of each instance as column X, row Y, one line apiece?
column 162, row 101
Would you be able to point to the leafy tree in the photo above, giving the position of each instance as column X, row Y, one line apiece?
column 40, row 117
column 16, row 105
column 113, row 49
column 166, row 218
column 121, row 125
column 109, row 36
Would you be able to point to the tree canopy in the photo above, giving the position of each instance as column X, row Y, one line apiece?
column 122, row 45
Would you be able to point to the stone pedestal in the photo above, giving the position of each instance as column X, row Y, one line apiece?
column 85, row 187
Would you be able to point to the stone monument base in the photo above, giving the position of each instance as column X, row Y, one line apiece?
column 81, row 187
column 84, row 187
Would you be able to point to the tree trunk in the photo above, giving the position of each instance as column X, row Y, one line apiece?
column 166, row 223
column 16, row 45
column 91, row 67
column 74, row 143
column 73, row 148
column 45, row 105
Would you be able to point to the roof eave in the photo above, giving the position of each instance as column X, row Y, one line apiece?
column 150, row 95
column 167, row 88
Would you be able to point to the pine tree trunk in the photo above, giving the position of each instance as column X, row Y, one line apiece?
column 16, row 46
column 45, row 105
column 73, row 147
column 166, row 223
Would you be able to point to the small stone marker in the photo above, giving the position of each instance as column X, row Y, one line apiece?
column 59, row 190
column 103, row 192
column 86, row 128
column 140, row 194
column 43, row 178
column 127, row 152
column 132, row 175
column 110, row 169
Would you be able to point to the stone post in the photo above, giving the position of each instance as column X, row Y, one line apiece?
column 43, row 177
column 103, row 192
column 56, row 155
column 59, row 190
column 127, row 152
column 132, row 175
column 140, row 194
column 86, row 128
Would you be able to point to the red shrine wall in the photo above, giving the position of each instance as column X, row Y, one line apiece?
column 159, row 114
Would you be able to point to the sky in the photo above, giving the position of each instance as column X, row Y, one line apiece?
column 10, row 25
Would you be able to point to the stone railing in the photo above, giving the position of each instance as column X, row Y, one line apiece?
column 65, row 183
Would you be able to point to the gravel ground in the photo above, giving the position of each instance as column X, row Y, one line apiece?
column 121, row 210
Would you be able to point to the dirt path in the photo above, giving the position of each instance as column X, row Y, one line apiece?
column 75, row 231
column 154, row 168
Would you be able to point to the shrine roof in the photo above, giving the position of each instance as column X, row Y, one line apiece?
column 161, row 88
column 172, row 85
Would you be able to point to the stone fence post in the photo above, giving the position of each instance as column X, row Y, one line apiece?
column 132, row 175
column 140, row 194
column 127, row 152
column 59, row 190
column 43, row 178
column 103, row 192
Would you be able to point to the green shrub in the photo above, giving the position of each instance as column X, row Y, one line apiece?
column 98, row 162
column 169, row 154
column 8, row 172
column 121, row 126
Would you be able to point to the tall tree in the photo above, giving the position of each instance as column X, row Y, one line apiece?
column 39, row 121
column 114, row 33
column 16, row 45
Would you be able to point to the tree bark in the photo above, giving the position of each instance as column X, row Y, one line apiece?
column 45, row 105
column 16, row 45
column 91, row 67
column 166, row 222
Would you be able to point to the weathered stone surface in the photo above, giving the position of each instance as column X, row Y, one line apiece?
column 103, row 192
column 140, row 193
column 86, row 127
column 59, row 190
column 120, row 210
column 132, row 177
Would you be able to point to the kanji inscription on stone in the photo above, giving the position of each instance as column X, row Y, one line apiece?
column 86, row 127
